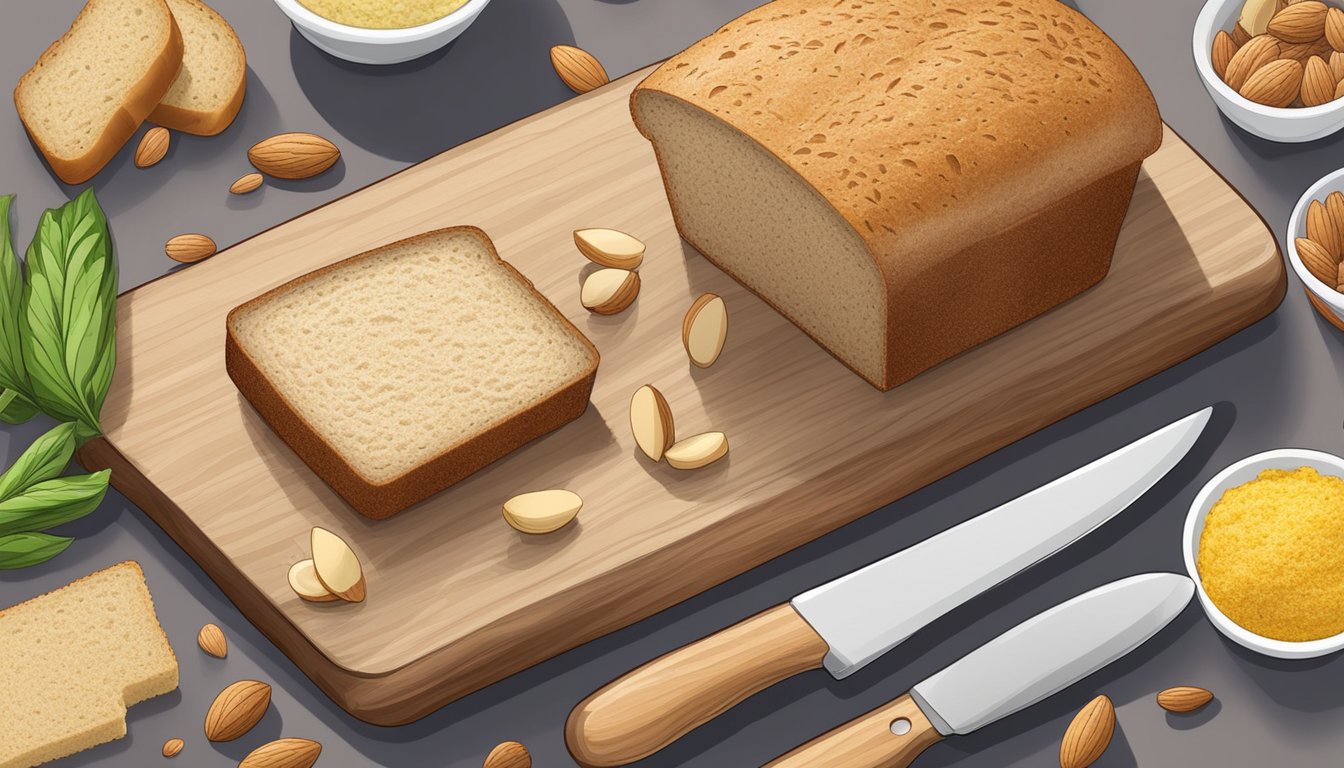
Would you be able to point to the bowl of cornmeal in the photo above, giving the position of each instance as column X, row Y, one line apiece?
column 381, row 31
column 1264, row 543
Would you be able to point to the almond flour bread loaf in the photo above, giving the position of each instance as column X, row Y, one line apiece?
column 209, row 89
column 903, row 179
column 400, row 371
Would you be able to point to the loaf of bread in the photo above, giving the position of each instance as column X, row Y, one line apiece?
column 73, row 660
column 209, row 89
column 400, row 371
column 91, row 89
column 902, row 179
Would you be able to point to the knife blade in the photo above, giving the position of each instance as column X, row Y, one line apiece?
column 849, row 622
column 1030, row 662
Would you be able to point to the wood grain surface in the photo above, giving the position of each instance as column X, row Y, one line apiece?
column 457, row 599
column 869, row 741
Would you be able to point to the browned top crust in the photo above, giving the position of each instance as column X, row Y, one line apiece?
column 924, row 122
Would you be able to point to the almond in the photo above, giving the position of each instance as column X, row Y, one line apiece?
column 1088, row 735
column 1318, row 84
column 698, row 451
column 246, row 183
column 173, row 747
column 510, row 754
column 1317, row 260
column 1255, row 16
column 1339, row 277
column 1322, row 228
column 303, row 580
column 189, row 248
column 1183, row 698
column 608, row 291
column 541, row 512
column 1276, row 84
column 1334, row 28
column 1300, row 22
column 1336, row 61
column 1334, row 209
column 1250, row 57
column 1239, row 35
column 236, row 709
column 1339, row 89
column 212, row 641
column 704, row 330
column 336, row 566
column 579, row 69
column 1224, row 48
column 651, row 422
column 152, row 147
column 283, row 753
column 610, row 248
column 293, row 155
column 1300, row 52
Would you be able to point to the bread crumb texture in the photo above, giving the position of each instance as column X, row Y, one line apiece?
column 382, row 14
column 73, row 660
column 1272, row 555
column 400, row 355
column 213, row 61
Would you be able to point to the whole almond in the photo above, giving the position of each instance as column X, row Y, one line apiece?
column 152, row 147
column 704, row 330
column 1276, row 84
column 246, row 183
column 651, row 422
column 189, row 248
column 1336, row 62
column 697, row 451
column 1256, row 14
column 211, row 639
column 1255, row 54
column 1301, row 52
column 609, row 291
column 236, row 709
column 510, row 754
column 283, row 753
column 293, row 155
column 1318, row 85
column 1300, row 22
column 579, row 69
column 1322, row 228
column 541, row 512
column 1183, row 698
column 1088, row 735
column 173, row 747
column 1317, row 260
column 1224, row 48
column 1334, row 28
column 1334, row 209
column 1239, row 35
column 1339, row 89
column 1339, row 278
column 610, row 247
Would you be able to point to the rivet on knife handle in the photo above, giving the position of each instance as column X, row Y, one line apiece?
column 891, row 736
column 649, row 708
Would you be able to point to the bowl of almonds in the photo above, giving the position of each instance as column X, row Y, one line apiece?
column 1316, row 245
column 1274, row 67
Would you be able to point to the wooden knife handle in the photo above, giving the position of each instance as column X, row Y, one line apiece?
column 869, row 741
column 658, row 703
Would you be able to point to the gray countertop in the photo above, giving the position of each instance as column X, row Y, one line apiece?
column 1276, row 384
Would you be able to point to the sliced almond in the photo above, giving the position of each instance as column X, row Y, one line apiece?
column 152, row 148
column 510, row 754
column 1250, row 57
column 608, row 291
column 704, row 329
column 189, row 248
column 303, row 580
column 1321, row 228
column 651, row 422
column 1088, row 735
column 697, row 451
column 293, row 155
column 1255, row 16
column 541, row 512
column 336, row 566
column 283, row 753
column 173, row 747
column 610, row 247
column 1317, row 260
column 212, row 641
column 1183, row 698
column 236, row 710
column 579, row 69
column 248, row 183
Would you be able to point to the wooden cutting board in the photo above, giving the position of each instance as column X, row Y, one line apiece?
column 457, row 599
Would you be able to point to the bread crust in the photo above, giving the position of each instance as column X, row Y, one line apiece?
column 199, row 122
column 141, row 100
column 381, row 500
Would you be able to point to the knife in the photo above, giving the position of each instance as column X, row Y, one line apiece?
column 849, row 622
column 1035, row 659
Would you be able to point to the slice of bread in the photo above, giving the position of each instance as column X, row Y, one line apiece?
column 397, row 372
column 73, row 660
column 208, row 91
column 91, row 89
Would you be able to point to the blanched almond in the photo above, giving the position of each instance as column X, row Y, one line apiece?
column 1255, row 16
column 610, row 247
column 212, row 641
column 651, row 422
column 704, row 330
column 608, row 291
column 697, row 451
column 236, row 709
column 283, row 753
column 336, row 566
column 541, row 512
column 303, row 580
column 189, row 248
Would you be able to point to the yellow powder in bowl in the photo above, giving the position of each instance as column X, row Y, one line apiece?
column 1272, row 555
column 382, row 14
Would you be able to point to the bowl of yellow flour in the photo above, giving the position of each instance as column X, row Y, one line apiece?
column 1264, row 543
column 381, row 31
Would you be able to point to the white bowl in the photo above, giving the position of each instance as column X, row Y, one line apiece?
column 380, row 46
column 1239, row 473
column 1290, row 125
column 1325, row 298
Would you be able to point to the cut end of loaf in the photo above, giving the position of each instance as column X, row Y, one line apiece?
column 208, row 91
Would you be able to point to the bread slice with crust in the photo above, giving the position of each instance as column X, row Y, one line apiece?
column 208, row 91
column 91, row 89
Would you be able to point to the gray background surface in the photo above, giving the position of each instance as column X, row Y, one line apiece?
column 1276, row 384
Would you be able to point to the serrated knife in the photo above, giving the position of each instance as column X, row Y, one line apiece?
column 1029, row 662
column 849, row 622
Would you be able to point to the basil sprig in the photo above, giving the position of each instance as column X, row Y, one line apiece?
column 21, row 550
column 16, row 405
column 33, row 498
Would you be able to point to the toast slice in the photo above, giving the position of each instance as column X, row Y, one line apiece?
column 73, row 660
column 92, row 88
column 209, row 89
column 400, row 371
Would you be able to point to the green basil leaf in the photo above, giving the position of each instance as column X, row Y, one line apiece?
column 53, row 502
column 12, row 376
column 45, row 458
column 68, row 318
column 21, row 550
column 15, row 408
